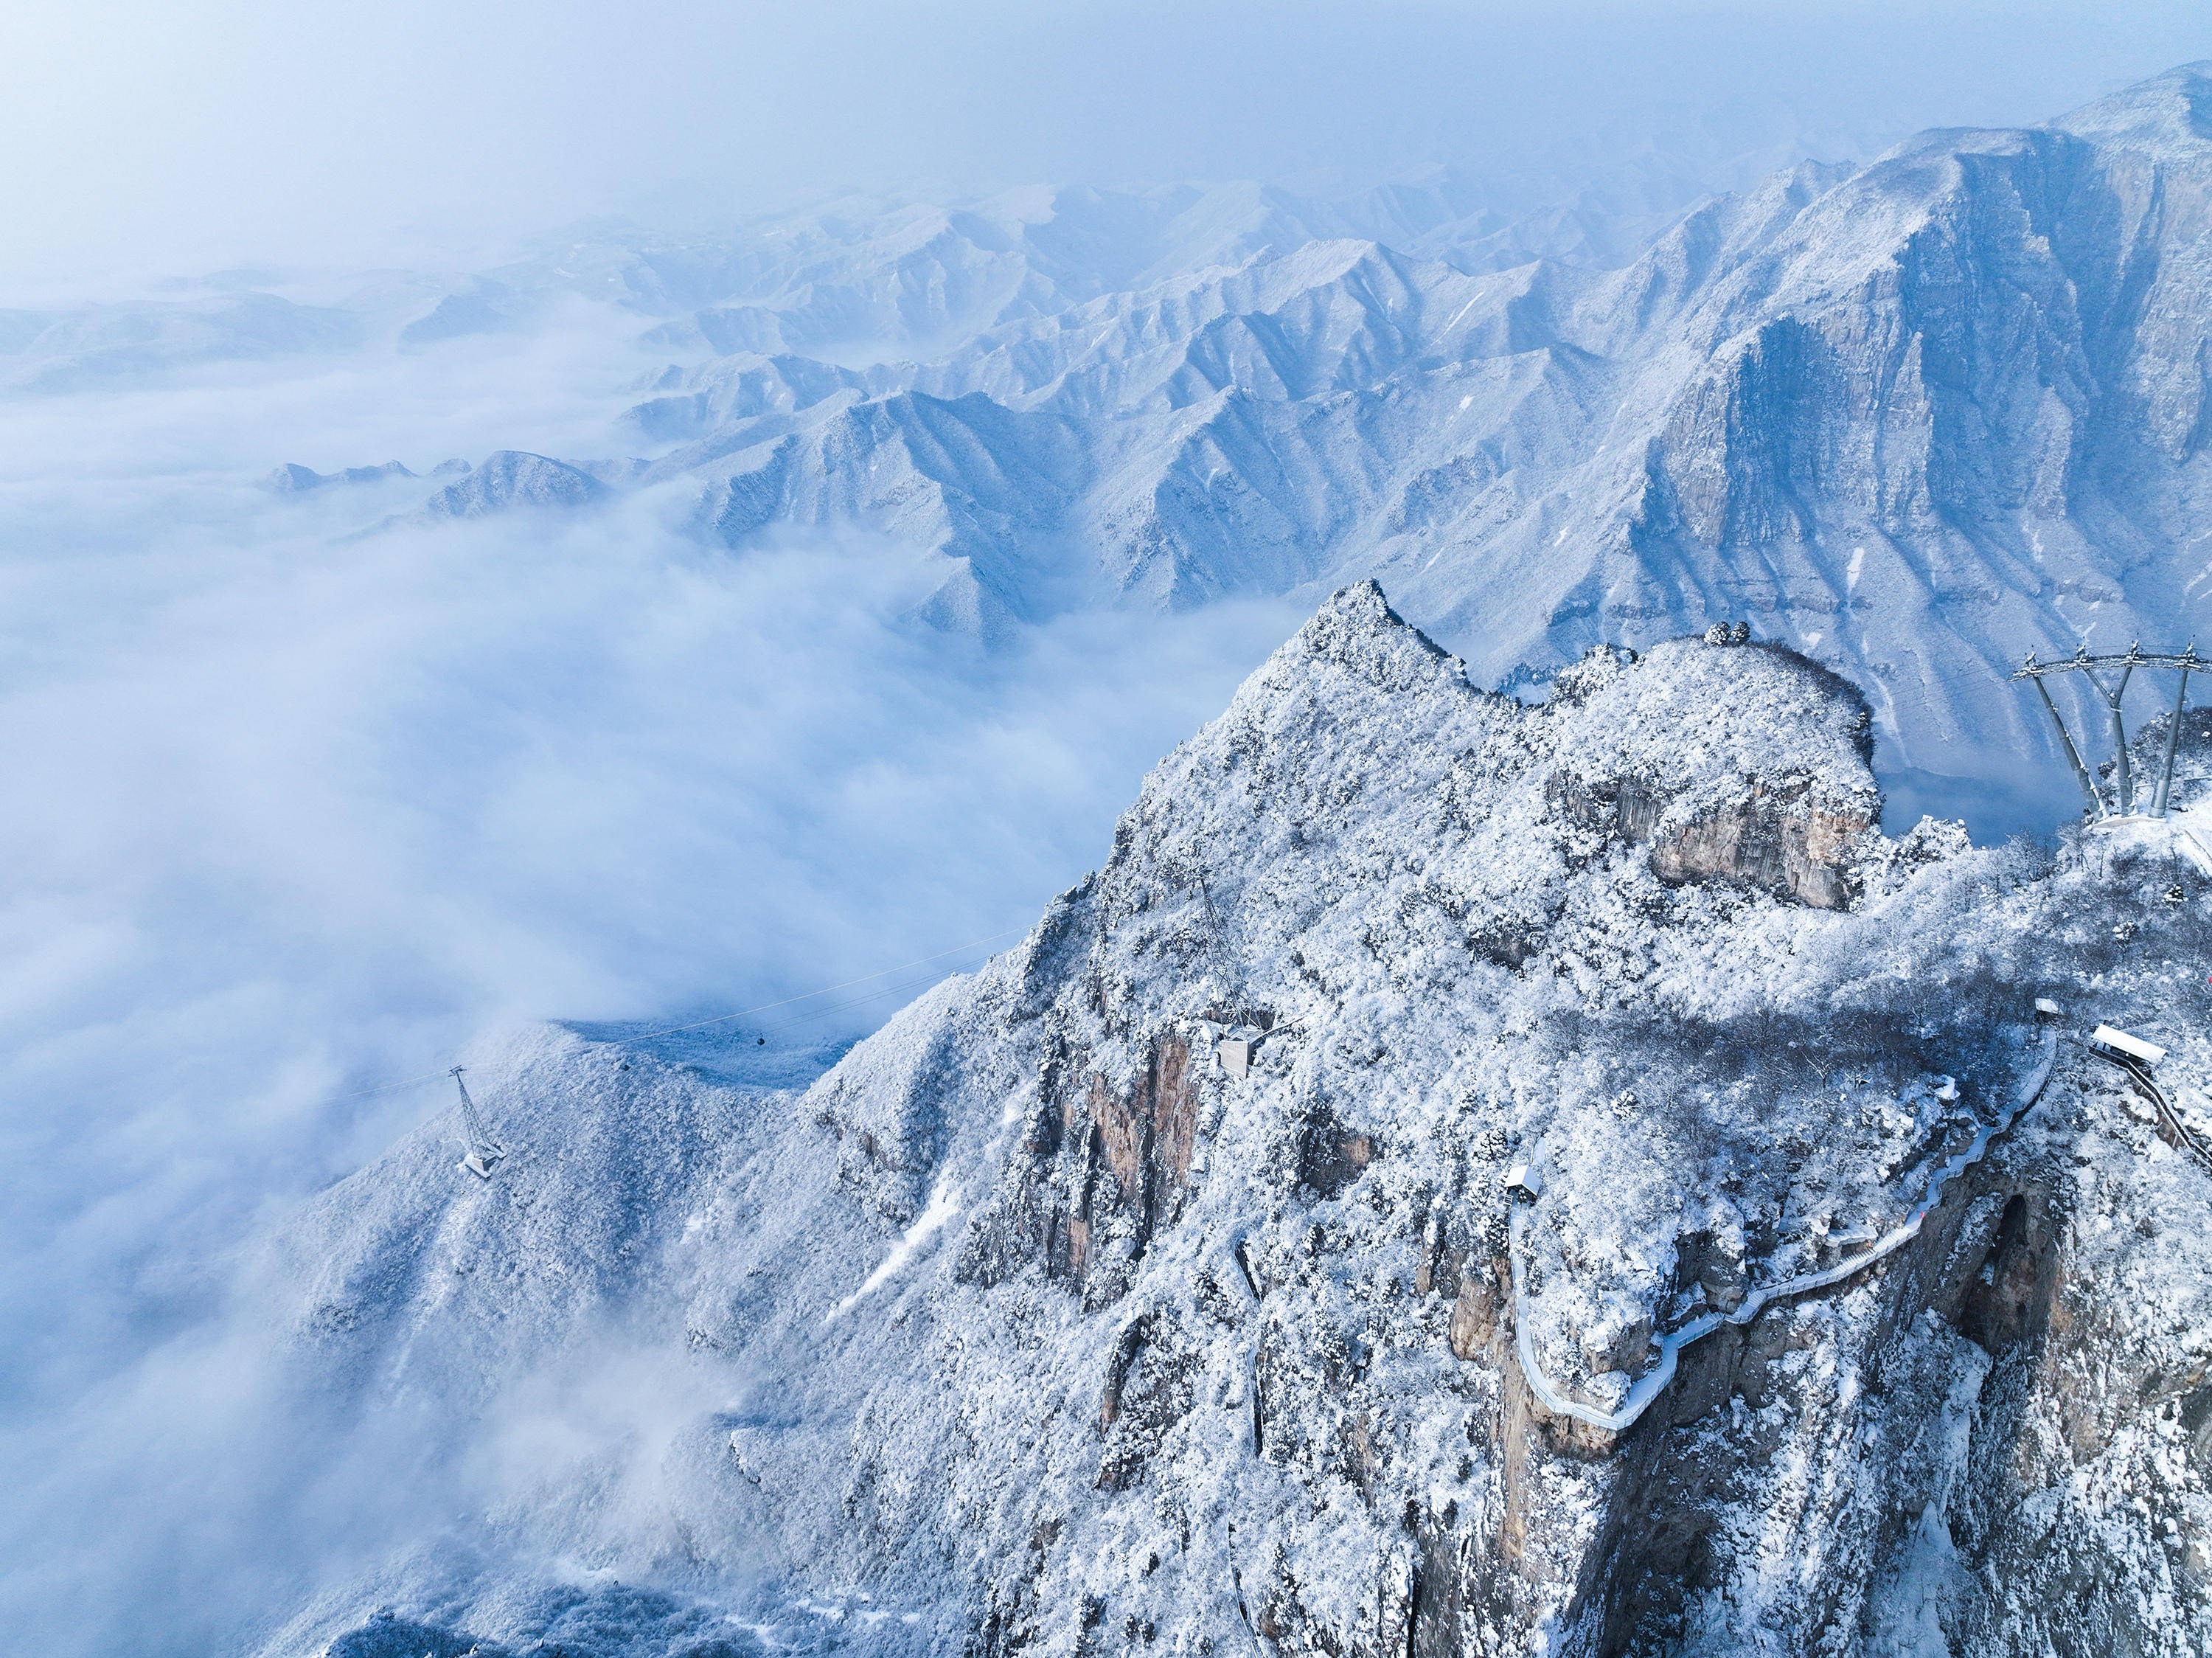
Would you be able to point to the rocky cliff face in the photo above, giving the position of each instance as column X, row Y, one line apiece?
column 1063, row 1335
column 1781, row 835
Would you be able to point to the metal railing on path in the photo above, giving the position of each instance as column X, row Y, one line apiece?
column 2170, row 1129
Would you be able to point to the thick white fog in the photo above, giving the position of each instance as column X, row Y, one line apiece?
column 296, row 810
column 294, row 815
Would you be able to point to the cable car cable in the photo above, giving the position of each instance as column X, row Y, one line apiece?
column 723, row 1019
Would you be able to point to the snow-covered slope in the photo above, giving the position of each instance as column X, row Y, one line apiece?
column 1044, row 1328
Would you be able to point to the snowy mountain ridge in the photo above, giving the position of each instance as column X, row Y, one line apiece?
column 1914, row 418
column 1036, row 1326
column 1917, row 419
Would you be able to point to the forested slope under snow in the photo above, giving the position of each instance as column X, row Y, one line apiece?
column 1031, row 1324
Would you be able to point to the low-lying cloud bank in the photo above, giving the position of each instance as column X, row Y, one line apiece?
column 292, row 814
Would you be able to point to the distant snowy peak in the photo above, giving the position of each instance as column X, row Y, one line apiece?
column 475, row 311
column 509, row 480
column 512, row 479
column 2168, row 117
column 879, row 280
column 292, row 478
column 1914, row 418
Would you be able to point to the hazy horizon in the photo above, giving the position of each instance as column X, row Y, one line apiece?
column 149, row 139
column 311, row 792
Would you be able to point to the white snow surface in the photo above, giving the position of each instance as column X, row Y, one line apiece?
column 1269, row 1390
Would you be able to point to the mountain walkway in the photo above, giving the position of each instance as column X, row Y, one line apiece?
column 2170, row 1129
column 1648, row 1386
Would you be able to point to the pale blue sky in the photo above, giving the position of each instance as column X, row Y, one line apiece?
column 179, row 135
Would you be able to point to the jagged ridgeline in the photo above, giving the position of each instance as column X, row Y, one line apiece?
column 1916, row 416
column 1072, row 1327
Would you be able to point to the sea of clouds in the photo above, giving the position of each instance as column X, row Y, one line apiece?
column 295, row 811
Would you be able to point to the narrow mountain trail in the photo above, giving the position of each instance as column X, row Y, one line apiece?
column 2170, row 1129
column 1654, row 1382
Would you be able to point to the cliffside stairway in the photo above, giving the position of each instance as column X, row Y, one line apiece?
column 2134, row 1057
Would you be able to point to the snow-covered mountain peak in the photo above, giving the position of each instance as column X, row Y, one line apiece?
column 1357, row 776
column 1357, row 632
column 510, row 479
column 2168, row 117
column 1696, row 720
column 1224, row 1259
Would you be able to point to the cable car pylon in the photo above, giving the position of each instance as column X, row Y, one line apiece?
column 482, row 1151
column 2084, row 663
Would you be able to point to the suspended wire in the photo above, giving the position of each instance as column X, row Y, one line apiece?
column 387, row 1087
column 765, row 1007
column 724, row 1018
column 869, row 995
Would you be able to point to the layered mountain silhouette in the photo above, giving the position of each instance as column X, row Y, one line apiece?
column 1915, row 418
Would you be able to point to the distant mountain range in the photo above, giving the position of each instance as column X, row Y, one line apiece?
column 1914, row 418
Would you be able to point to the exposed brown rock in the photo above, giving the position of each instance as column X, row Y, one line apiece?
column 1619, row 1348
column 1148, row 1135
column 1776, row 838
column 1475, row 1317
column 1772, row 841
